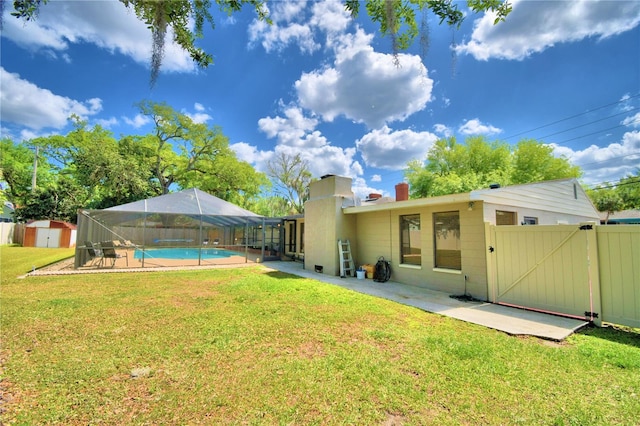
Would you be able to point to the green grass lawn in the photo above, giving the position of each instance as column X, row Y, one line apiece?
column 253, row 346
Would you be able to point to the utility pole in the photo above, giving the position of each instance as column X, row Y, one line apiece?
column 35, row 171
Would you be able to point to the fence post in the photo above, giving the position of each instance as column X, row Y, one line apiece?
column 492, row 283
column 595, row 309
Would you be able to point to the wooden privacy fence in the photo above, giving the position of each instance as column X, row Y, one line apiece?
column 584, row 271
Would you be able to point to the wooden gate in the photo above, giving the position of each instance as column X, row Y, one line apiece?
column 547, row 268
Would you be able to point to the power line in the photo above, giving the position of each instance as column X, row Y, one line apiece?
column 626, row 99
column 595, row 121
column 609, row 159
column 590, row 134
column 574, row 116
column 614, row 185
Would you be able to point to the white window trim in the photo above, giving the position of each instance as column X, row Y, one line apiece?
column 448, row 271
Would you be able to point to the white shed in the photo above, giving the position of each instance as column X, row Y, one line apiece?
column 49, row 234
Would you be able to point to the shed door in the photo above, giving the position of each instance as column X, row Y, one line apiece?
column 48, row 237
column 549, row 268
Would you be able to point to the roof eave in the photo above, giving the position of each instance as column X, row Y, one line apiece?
column 420, row 202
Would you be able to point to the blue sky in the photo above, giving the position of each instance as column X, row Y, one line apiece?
column 319, row 83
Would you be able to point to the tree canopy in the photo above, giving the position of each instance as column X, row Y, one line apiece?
column 452, row 167
column 89, row 168
column 402, row 20
column 291, row 178
column 624, row 195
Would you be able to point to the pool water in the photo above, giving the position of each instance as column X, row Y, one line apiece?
column 182, row 253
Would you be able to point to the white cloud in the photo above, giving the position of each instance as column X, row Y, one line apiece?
column 252, row 155
column 138, row 121
column 534, row 26
column 443, row 130
column 385, row 149
column 106, row 24
column 295, row 24
column 608, row 163
column 330, row 16
column 376, row 178
column 25, row 104
column 290, row 129
column 297, row 134
column 362, row 190
column 476, row 127
column 107, row 122
column 625, row 103
column 632, row 121
column 285, row 29
column 200, row 116
column 366, row 86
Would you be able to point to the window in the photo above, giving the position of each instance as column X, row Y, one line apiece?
column 410, row 241
column 505, row 218
column 446, row 235
column 528, row 220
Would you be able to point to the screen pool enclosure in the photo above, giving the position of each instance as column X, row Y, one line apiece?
column 150, row 233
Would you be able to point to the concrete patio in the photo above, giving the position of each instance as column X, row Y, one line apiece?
column 510, row 320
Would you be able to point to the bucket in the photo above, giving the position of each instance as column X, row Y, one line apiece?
column 360, row 275
column 368, row 269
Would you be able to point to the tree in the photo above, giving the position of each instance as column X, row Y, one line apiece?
column 397, row 18
column 452, row 168
column 190, row 154
column 16, row 164
column 273, row 206
column 534, row 162
column 59, row 201
column 606, row 200
column 624, row 195
column 629, row 190
column 16, row 171
column 227, row 178
column 106, row 172
column 291, row 178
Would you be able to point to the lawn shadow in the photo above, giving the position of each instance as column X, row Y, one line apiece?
column 282, row 275
column 614, row 333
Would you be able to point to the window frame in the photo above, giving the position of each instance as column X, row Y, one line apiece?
column 414, row 256
column 450, row 260
column 512, row 215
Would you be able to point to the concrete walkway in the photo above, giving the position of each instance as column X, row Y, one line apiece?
column 509, row 320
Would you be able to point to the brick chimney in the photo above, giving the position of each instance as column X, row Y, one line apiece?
column 374, row 196
column 402, row 191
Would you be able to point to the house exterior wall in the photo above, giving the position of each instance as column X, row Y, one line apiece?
column 378, row 234
column 552, row 202
column 374, row 228
column 544, row 217
column 325, row 224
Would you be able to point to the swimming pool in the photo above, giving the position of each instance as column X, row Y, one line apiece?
column 182, row 253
